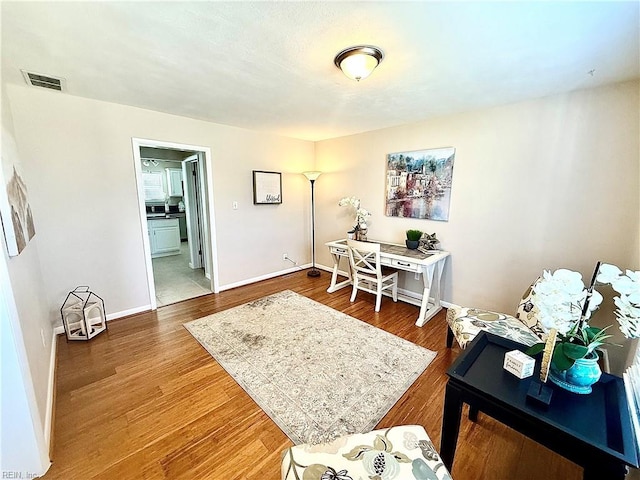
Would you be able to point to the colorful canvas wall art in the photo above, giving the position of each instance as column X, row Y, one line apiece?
column 419, row 183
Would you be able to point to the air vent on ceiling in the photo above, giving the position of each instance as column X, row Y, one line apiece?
column 42, row 80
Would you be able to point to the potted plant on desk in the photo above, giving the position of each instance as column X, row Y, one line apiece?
column 413, row 239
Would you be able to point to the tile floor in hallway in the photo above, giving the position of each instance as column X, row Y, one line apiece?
column 175, row 281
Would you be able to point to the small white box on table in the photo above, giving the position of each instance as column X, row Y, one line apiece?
column 519, row 363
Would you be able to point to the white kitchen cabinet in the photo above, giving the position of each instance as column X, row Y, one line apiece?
column 174, row 181
column 153, row 188
column 164, row 237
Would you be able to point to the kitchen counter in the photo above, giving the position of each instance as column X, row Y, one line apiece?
column 160, row 216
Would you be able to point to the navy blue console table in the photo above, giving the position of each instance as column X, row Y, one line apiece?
column 593, row 431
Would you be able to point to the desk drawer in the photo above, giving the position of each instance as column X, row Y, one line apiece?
column 405, row 265
column 340, row 251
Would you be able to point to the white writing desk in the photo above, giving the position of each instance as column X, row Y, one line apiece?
column 430, row 265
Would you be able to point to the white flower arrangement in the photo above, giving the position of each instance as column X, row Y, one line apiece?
column 361, row 214
column 560, row 298
column 563, row 303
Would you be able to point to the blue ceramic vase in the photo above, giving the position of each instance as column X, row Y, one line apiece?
column 580, row 377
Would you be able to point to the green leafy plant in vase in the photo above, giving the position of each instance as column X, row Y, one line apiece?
column 413, row 239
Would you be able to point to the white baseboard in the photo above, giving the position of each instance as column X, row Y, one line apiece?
column 48, row 419
column 408, row 296
column 263, row 277
column 329, row 269
column 126, row 313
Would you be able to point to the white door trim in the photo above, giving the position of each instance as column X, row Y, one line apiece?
column 136, row 143
column 191, row 210
column 205, row 206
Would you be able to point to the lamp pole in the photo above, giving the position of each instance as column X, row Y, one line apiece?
column 312, row 176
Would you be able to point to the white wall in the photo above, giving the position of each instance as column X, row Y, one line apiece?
column 537, row 185
column 31, row 301
column 26, row 342
column 23, row 447
column 79, row 156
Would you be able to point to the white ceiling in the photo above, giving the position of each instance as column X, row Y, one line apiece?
column 269, row 65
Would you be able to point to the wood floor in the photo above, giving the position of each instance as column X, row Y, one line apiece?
column 146, row 401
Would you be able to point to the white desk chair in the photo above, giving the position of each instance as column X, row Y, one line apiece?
column 364, row 258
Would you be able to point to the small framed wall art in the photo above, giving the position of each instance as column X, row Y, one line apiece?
column 267, row 187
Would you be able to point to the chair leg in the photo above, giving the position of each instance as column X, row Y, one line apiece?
column 394, row 291
column 378, row 296
column 449, row 337
column 354, row 290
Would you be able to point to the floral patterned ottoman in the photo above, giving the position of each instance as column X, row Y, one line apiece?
column 402, row 452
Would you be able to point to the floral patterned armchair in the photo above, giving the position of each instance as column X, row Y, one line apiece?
column 465, row 323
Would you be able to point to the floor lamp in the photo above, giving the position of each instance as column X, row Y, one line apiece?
column 314, row 272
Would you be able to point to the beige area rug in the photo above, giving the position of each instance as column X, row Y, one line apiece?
column 317, row 372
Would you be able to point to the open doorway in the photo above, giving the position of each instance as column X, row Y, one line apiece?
column 176, row 211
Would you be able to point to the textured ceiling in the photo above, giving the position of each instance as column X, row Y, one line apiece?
column 269, row 65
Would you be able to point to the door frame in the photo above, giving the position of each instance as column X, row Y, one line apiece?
column 208, row 211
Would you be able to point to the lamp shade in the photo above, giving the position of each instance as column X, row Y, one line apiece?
column 312, row 175
column 358, row 62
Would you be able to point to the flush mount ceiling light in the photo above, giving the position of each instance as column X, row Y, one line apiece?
column 358, row 62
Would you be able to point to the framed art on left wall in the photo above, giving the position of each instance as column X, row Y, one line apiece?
column 15, row 211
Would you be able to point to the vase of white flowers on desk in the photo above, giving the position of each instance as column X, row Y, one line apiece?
column 359, row 231
column 564, row 306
